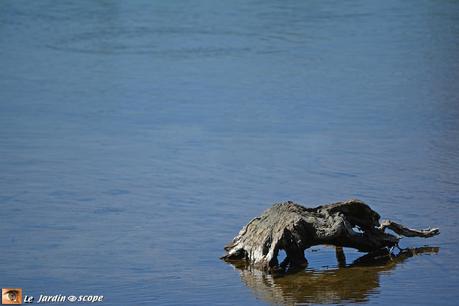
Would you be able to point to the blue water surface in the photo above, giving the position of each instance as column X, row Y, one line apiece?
column 137, row 137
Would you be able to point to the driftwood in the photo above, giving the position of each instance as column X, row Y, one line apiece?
column 294, row 228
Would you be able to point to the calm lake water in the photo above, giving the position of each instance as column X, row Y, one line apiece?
column 138, row 137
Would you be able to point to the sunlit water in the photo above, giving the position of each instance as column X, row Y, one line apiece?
column 137, row 137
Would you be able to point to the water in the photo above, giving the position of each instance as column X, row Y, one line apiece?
column 137, row 137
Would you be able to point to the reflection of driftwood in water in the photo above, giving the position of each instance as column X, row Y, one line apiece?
column 353, row 283
column 294, row 228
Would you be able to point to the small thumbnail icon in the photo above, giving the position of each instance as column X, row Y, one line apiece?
column 11, row 296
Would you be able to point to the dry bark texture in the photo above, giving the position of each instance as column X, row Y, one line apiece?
column 294, row 228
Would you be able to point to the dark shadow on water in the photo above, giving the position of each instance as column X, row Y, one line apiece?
column 348, row 283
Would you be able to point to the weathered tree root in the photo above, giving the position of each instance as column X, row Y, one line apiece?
column 294, row 228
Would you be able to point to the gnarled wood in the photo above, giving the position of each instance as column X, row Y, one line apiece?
column 294, row 228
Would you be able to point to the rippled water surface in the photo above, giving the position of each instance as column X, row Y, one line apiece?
column 137, row 137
